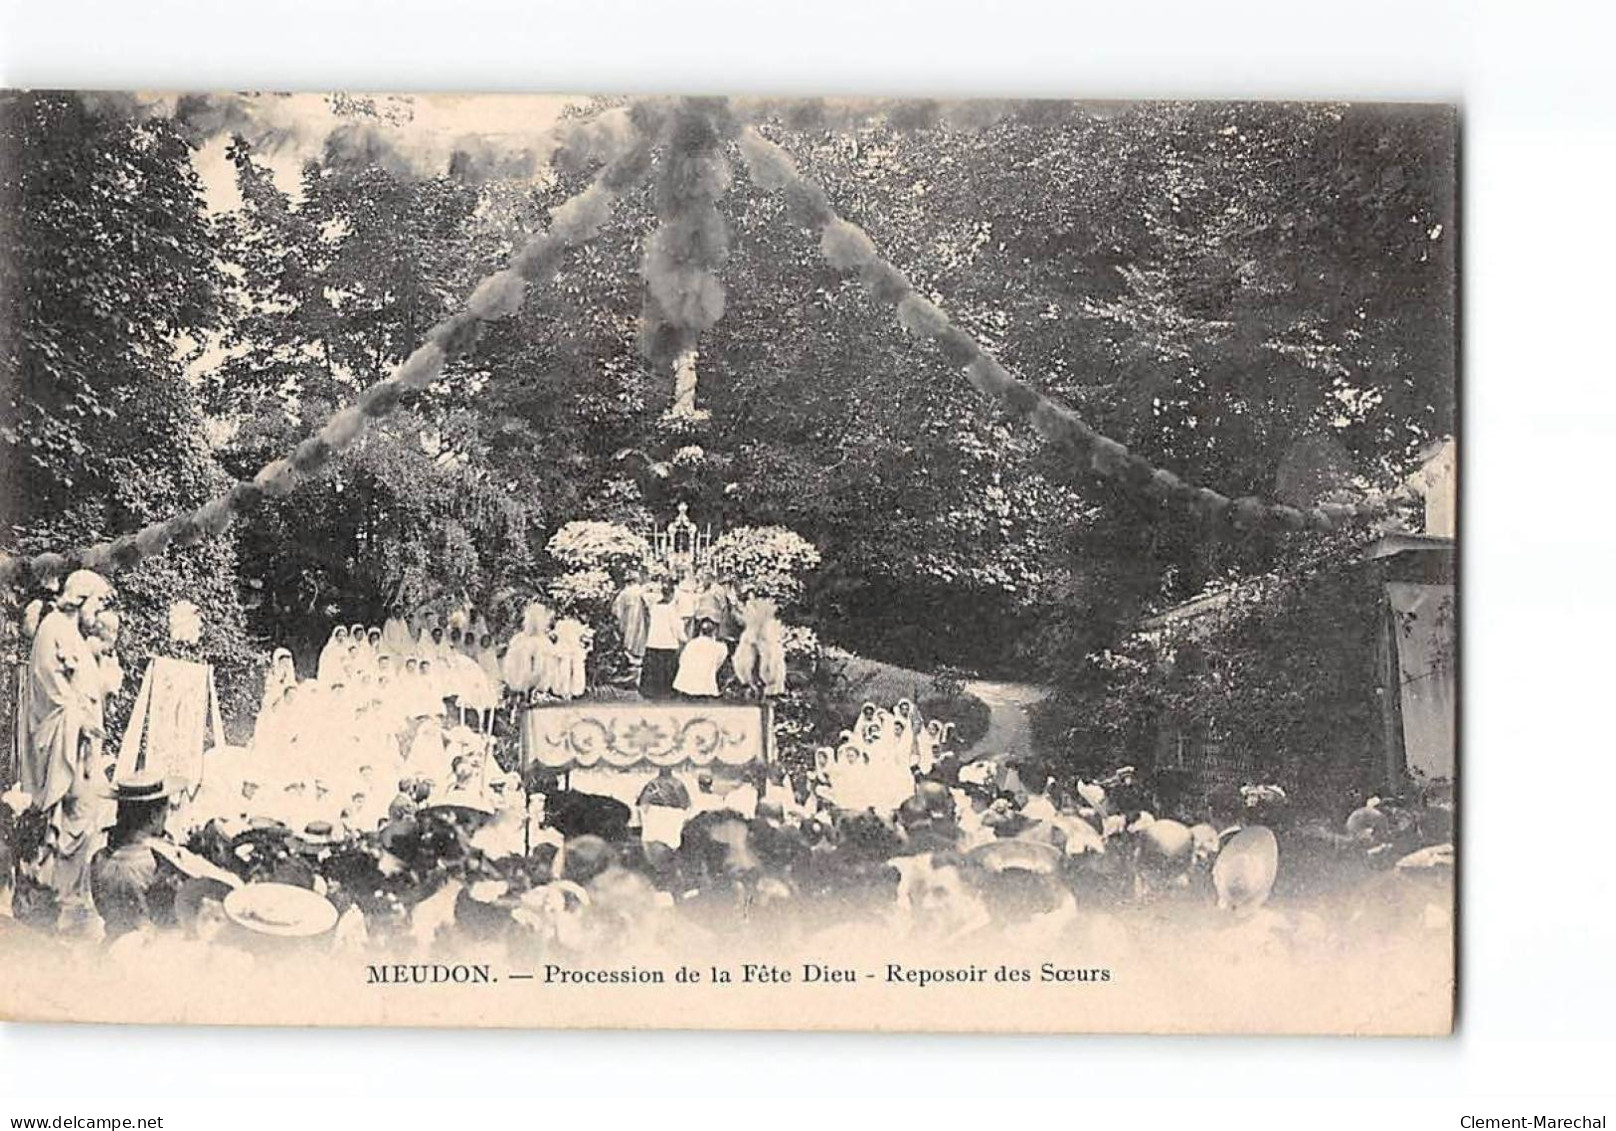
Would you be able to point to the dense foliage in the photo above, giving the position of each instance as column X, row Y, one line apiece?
column 1257, row 296
column 1275, row 674
column 109, row 280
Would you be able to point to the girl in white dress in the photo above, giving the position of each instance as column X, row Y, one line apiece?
column 333, row 666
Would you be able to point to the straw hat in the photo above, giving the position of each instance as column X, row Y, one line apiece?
column 280, row 910
column 143, row 789
column 1245, row 869
column 1009, row 854
column 318, row 834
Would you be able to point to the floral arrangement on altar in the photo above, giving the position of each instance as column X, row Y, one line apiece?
column 591, row 545
column 768, row 560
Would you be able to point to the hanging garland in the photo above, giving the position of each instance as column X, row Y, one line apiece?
column 499, row 295
column 270, row 125
column 847, row 247
column 848, row 115
column 684, row 297
column 683, row 294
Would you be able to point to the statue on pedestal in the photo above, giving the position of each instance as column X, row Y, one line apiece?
column 64, row 729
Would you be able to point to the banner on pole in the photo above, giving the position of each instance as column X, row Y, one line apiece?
column 169, row 727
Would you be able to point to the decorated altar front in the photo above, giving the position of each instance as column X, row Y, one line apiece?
column 613, row 748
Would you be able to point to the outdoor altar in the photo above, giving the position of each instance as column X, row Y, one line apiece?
column 614, row 748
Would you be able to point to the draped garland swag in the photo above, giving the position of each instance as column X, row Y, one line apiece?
column 684, row 297
column 498, row 295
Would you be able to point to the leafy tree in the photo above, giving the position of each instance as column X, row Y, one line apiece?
column 332, row 290
column 1257, row 296
column 109, row 285
column 1279, row 672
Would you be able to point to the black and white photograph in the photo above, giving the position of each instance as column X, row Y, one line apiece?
column 736, row 562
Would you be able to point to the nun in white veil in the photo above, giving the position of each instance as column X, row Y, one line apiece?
column 333, row 666
column 397, row 639
column 281, row 675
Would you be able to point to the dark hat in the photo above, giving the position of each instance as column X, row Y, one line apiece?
column 867, row 834
column 469, row 814
column 572, row 813
column 912, row 813
column 353, row 866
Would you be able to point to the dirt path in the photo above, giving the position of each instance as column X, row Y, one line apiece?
column 1009, row 728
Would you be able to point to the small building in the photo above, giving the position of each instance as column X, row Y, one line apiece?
column 1384, row 635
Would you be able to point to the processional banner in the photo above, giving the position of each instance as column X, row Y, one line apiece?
column 169, row 726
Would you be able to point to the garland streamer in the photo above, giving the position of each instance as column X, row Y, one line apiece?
column 501, row 294
column 848, row 115
column 684, row 297
column 270, row 125
column 847, row 247
column 683, row 293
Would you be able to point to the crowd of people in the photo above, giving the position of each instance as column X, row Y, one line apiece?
column 481, row 861
column 373, row 810
column 417, row 661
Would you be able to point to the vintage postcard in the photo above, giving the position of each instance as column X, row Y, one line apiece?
column 728, row 562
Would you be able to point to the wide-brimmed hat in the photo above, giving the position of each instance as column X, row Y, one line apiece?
column 1016, row 855
column 143, row 789
column 280, row 910
column 1244, row 872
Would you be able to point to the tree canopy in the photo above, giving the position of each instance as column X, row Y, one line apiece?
column 1256, row 296
column 109, row 281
